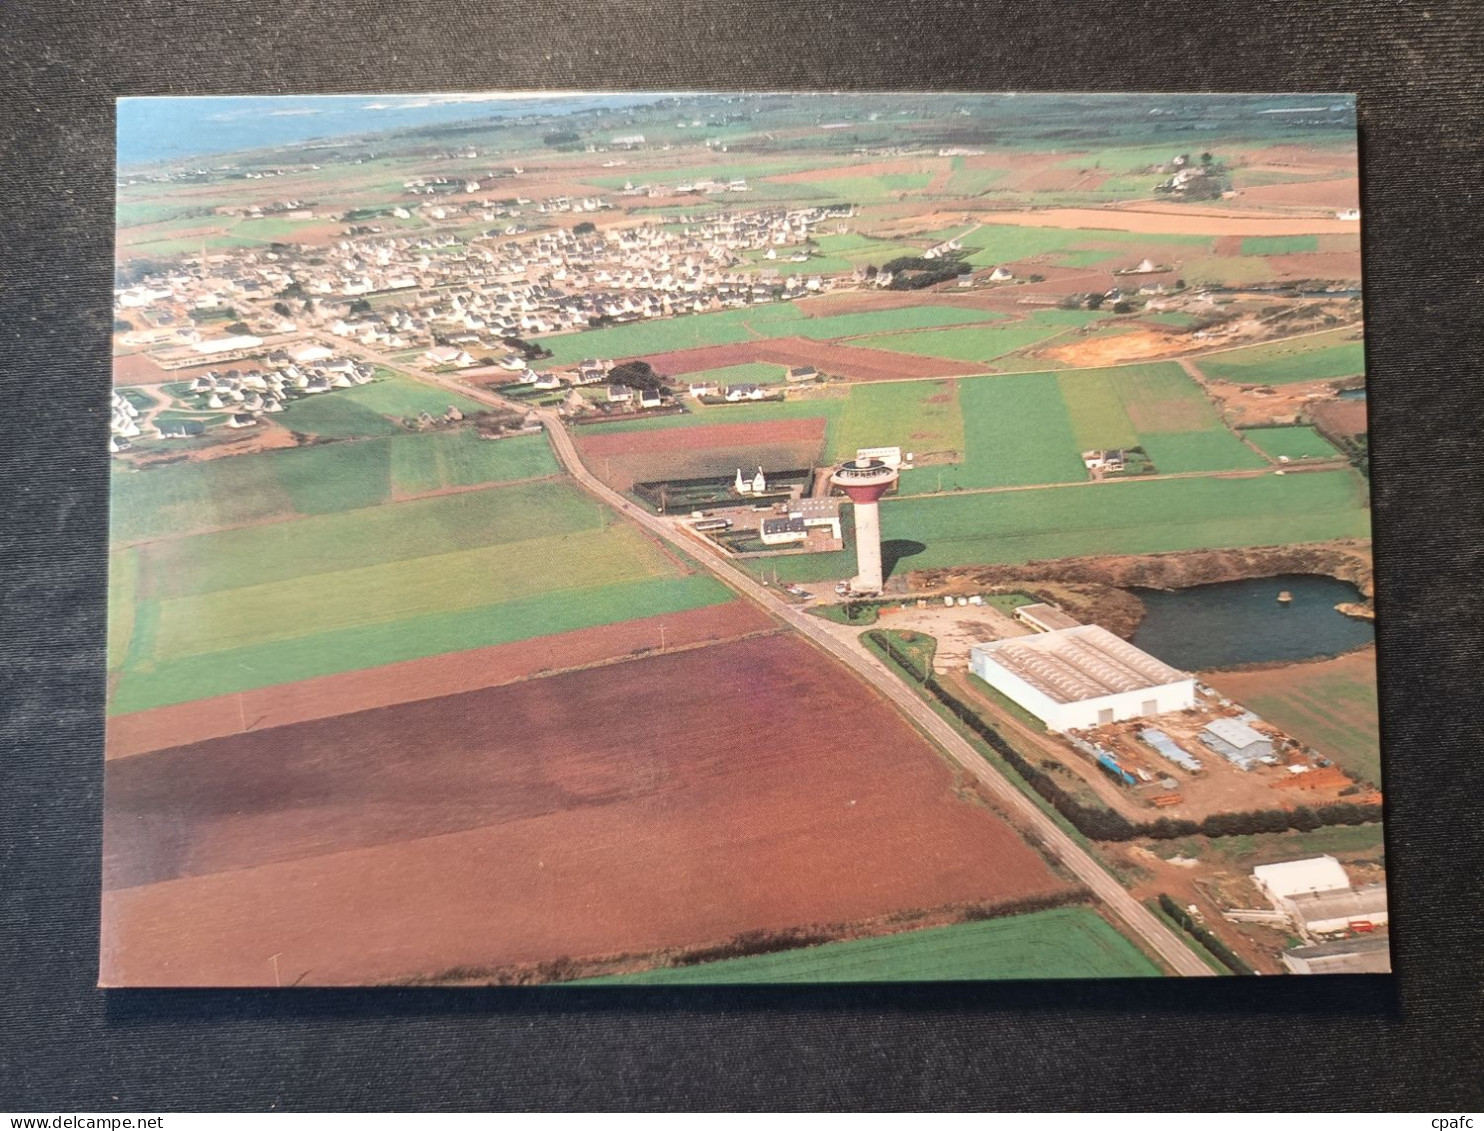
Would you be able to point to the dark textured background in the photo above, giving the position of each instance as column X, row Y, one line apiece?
column 1413, row 1042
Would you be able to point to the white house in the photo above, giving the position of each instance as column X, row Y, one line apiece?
column 1082, row 677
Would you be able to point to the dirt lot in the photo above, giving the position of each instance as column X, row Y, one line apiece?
column 412, row 680
column 671, row 801
column 1115, row 349
column 1342, row 418
column 1336, row 194
column 1329, row 265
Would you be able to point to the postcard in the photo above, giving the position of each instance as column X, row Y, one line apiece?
column 719, row 538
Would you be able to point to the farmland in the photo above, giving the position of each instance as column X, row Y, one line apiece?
column 372, row 410
column 1315, row 357
column 242, row 608
column 433, row 864
column 193, row 496
column 1128, row 517
column 982, row 344
column 1298, row 441
column 1067, row 942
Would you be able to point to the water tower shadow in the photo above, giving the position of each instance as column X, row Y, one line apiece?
column 895, row 550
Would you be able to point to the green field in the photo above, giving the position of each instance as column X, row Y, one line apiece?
column 1315, row 357
column 149, row 685
column 1295, row 442
column 749, row 373
column 394, row 532
column 400, row 590
column 1068, row 942
column 920, row 415
column 1130, row 516
column 372, row 410
column 1278, row 245
column 984, row 343
column 661, row 335
column 1029, row 428
column 192, row 496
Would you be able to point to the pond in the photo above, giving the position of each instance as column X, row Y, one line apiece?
column 1353, row 394
column 1242, row 622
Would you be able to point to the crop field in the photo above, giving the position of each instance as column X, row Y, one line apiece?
column 705, row 449
column 1118, row 517
column 639, row 339
column 1278, row 245
column 921, row 416
column 1330, row 704
column 633, row 831
column 1298, row 441
column 328, row 543
column 241, row 608
column 1066, row 942
column 1315, row 357
column 194, row 496
column 748, row 373
column 984, row 343
column 883, row 322
column 429, row 677
column 1030, row 428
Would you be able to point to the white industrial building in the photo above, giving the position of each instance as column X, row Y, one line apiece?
column 1370, row 954
column 1316, row 895
column 1076, row 678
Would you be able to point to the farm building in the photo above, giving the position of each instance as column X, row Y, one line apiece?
column 1369, row 955
column 1075, row 678
column 780, row 531
column 818, row 512
column 891, row 456
column 1237, row 742
column 1044, row 618
column 802, row 373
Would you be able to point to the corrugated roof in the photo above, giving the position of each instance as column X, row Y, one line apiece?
column 1074, row 664
column 1235, row 732
column 1048, row 617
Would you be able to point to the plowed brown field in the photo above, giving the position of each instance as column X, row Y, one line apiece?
column 411, row 680
column 671, row 801
column 852, row 362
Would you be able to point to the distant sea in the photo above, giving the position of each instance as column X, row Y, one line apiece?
column 153, row 130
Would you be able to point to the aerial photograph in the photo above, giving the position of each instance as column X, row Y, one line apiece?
column 660, row 539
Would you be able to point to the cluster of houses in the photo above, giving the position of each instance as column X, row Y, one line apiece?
column 442, row 292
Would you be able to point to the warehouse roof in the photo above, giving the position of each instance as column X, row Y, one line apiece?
column 1075, row 664
column 1294, row 877
column 1236, row 733
column 783, row 526
column 1348, row 903
column 1368, row 955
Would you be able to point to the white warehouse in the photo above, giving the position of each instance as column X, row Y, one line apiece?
column 1076, row 678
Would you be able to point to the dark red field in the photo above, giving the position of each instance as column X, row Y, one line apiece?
column 854, row 362
column 670, row 801
column 430, row 678
column 703, row 436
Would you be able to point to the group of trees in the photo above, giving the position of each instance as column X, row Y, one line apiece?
column 1219, row 950
column 638, row 375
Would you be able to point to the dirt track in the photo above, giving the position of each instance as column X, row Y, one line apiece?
column 671, row 801
column 411, row 680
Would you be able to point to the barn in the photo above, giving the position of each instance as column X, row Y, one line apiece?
column 1081, row 677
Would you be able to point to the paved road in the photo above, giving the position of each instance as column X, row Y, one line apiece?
column 1137, row 917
